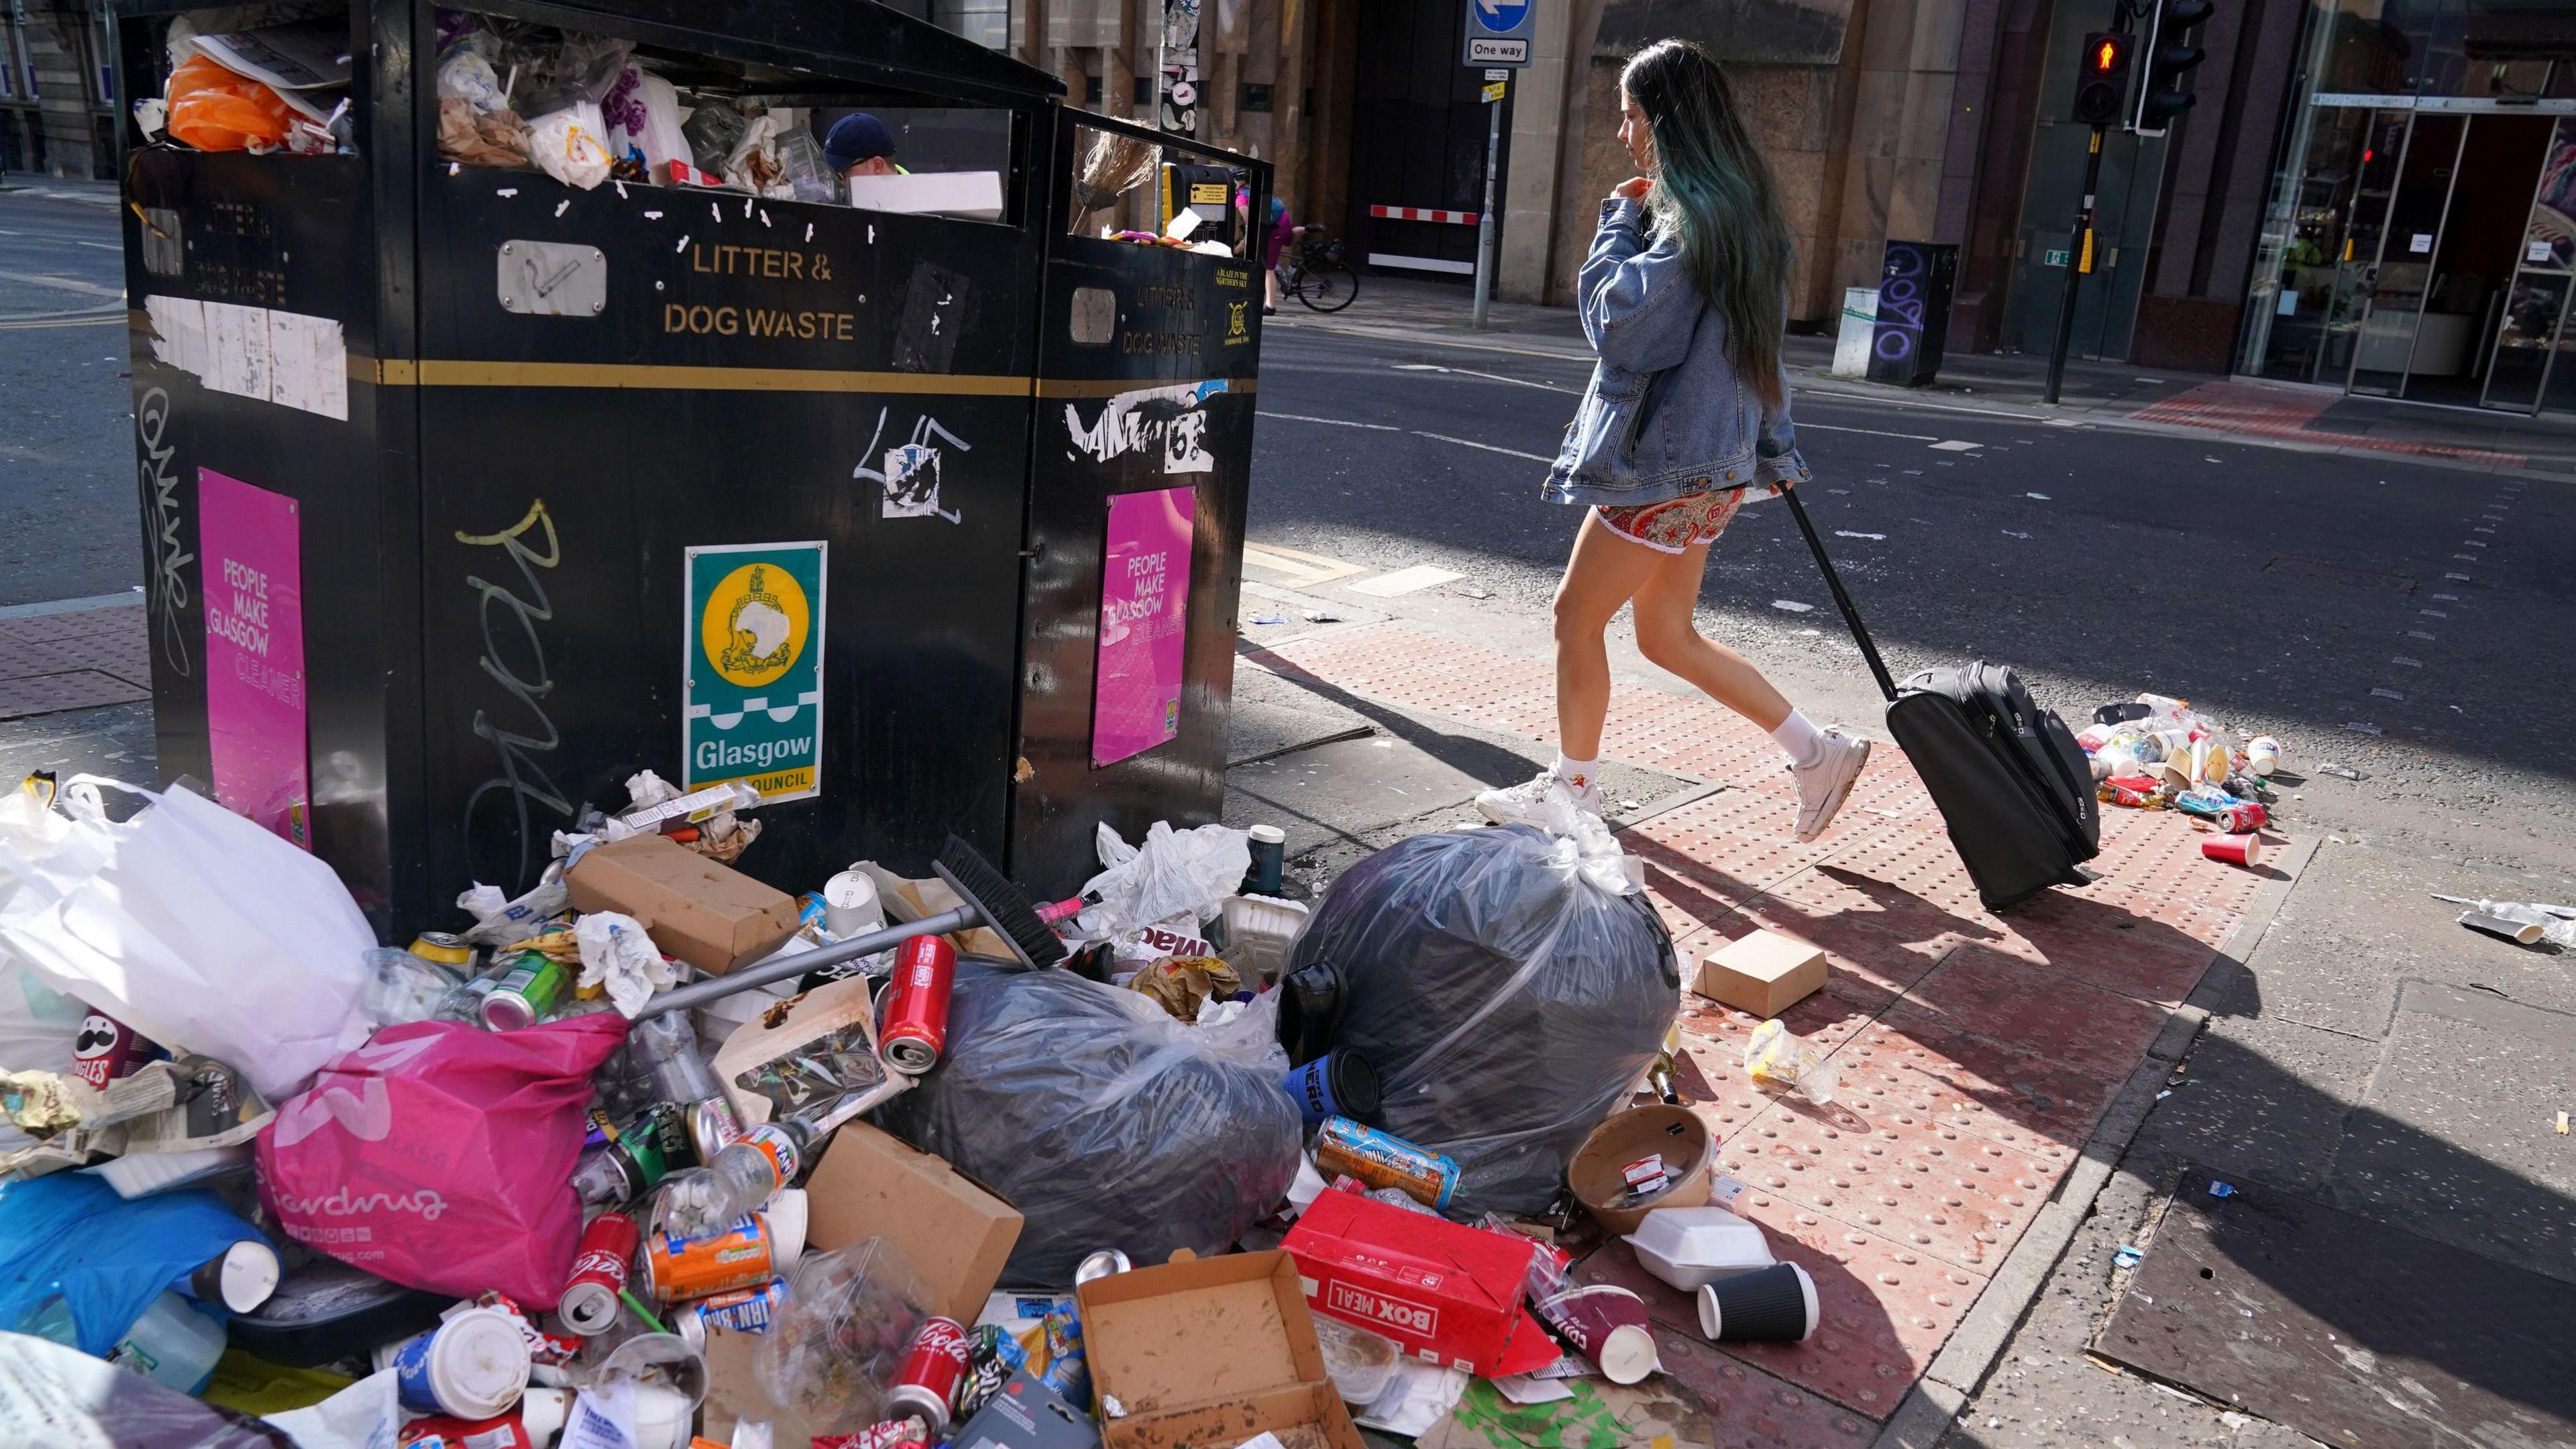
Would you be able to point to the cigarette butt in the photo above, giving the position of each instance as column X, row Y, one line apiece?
column 2562, row 1124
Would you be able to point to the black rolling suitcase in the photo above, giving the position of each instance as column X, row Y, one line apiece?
column 2008, row 777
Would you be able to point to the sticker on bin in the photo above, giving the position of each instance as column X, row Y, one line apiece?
column 752, row 668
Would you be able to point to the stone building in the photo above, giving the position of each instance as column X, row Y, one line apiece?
column 57, row 117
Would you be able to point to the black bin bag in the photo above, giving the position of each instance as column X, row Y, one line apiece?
column 1104, row 1121
column 1509, row 985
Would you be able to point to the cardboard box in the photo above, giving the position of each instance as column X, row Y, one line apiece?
column 1444, row 1292
column 702, row 911
column 975, row 195
column 1766, row 973
column 734, row 1395
column 954, row 1233
column 1026, row 1414
column 1207, row 1353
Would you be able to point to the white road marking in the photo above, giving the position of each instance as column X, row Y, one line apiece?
column 1956, row 445
column 1404, row 581
column 1872, row 432
column 1488, row 376
column 1488, row 447
column 1300, row 569
column 1334, row 422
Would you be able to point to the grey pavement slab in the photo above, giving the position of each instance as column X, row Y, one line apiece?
column 2457, row 1137
column 2263, row 1095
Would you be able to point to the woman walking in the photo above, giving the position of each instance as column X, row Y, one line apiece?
column 1684, row 298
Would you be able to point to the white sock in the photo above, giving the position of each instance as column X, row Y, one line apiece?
column 1577, row 774
column 1804, row 742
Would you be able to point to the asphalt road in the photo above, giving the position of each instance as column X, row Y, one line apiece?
column 68, row 527
column 2307, row 595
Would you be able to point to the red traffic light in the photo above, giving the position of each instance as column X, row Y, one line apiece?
column 2107, row 55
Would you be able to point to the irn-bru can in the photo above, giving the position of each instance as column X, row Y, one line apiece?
column 1381, row 1160
column 744, row 1310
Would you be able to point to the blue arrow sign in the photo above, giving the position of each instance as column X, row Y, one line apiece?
column 1501, row 16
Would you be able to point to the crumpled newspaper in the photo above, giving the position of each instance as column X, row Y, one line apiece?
column 616, row 953
column 185, row 1103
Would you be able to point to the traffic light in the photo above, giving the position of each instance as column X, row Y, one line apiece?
column 2102, row 81
column 2170, row 57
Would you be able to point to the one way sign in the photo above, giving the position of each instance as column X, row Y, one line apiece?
column 1498, row 32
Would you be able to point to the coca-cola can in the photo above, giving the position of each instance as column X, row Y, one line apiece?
column 2243, row 816
column 927, row 1382
column 599, row 1272
column 916, row 1006
column 908, row 1432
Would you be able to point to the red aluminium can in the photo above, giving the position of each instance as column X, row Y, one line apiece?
column 599, row 1272
column 916, row 1008
column 927, row 1382
column 2241, row 817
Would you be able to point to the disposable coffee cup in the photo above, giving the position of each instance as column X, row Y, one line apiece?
column 1608, row 1325
column 1772, row 1305
column 472, row 1366
column 850, row 905
column 543, row 1412
column 2521, row 933
column 2264, row 752
column 2245, row 850
column 1269, row 859
column 662, row 1417
column 241, row 1279
column 1340, row 1083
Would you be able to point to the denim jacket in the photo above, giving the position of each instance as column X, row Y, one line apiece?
column 1666, row 413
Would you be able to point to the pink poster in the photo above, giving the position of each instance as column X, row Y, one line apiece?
column 1144, row 623
column 255, row 653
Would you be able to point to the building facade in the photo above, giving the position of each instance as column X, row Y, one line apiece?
column 57, row 108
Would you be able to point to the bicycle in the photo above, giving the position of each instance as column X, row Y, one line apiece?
column 1317, row 275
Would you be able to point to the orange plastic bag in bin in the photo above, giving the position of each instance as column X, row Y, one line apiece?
column 214, row 109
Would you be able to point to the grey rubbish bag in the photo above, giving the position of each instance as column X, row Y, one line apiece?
column 1104, row 1121
column 1509, row 990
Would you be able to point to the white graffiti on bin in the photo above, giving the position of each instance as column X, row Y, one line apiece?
column 522, row 775
column 1165, row 418
column 169, row 578
column 910, row 479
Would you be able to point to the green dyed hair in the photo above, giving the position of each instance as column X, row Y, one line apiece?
column 1714, row 190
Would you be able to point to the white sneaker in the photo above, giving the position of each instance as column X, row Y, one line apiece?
column 1528, row 804
column 1823, row 785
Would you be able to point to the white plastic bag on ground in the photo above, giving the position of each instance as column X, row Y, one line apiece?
column 198, row 929
column 1173, row 871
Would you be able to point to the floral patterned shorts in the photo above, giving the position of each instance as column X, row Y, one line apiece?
column 1682, row 523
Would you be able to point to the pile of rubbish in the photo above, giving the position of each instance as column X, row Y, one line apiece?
column 513, row 95
column 654, row 1151
column 2155, row 753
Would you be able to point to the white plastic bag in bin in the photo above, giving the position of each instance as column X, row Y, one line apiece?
column 197, row 928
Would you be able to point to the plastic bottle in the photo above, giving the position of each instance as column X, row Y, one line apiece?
column 668, row 1048
column 172, row 1344
column 751, row 1170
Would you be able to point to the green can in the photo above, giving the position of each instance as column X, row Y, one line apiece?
column 524, row 995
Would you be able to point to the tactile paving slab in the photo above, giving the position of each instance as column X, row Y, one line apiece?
column 2039, row 1009
column 1915, row 1181
column 1750, row 1409
column 1911, row 1063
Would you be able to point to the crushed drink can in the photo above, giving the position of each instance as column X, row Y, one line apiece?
column 1383, row 1160
column 599, row 1273
column 2241, row 817
column 744, row 1310
column 908, row 1432
column 533, row 986
column 442, row 947
column 916, row 1007
column 927, row 1382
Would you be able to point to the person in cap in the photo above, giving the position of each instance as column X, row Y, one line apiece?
column 859, row 144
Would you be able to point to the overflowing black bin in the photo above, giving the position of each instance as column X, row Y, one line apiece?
column 537, row 486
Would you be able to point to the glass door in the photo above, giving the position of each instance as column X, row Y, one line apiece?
column 2413, row 233
column 2536, row 305
column 2356, row 264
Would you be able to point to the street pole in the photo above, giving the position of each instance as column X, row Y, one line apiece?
column 2079, row 260
column 1485, row 222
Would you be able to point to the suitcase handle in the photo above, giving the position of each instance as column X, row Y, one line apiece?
column 1842, row 600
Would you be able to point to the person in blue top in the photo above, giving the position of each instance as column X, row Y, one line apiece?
column 1684, row 298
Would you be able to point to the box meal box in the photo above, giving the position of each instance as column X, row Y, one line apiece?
column 1444, row 1292
column 1207, row 1353
column 702, row 911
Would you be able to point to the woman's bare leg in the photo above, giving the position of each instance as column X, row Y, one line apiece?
column 1605, row 571
column 1668, row 637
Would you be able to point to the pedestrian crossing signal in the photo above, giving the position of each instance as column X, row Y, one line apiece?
column 2102, row 85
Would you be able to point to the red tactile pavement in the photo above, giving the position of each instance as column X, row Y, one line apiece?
column 1975, row 1051
column 2274, row 412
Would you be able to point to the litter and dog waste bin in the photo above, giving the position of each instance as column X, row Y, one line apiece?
column 469, row 491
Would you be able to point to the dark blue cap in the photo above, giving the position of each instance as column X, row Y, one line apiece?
column 855, row 138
